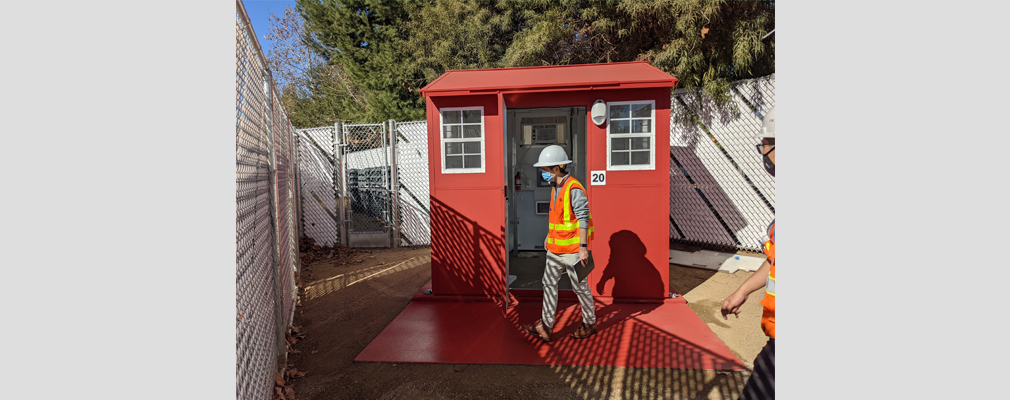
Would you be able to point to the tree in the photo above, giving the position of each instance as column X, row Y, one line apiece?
column 313, row 92
column 392, row 49
column 706, row 44
column 458, row 34
column 365, row 38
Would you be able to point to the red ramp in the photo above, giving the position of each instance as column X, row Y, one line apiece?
column 659, row 335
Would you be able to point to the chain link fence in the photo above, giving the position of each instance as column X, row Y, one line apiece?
column 412, row 174
column 720, row 193
column 320, row 211
column 266, row 258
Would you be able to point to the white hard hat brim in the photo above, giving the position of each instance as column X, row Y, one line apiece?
column 551, row 164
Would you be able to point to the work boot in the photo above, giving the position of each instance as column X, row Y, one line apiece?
column 584, row 331
column 538, row 330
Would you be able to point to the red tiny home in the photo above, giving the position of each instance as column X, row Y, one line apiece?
column 486, row 129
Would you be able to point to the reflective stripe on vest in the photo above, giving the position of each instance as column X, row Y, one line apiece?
column 769, row 249
column 768, row 302
column 563, row 228
column 569, row 227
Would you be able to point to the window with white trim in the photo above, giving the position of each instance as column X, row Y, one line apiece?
column 462, row 140
column 631, row 135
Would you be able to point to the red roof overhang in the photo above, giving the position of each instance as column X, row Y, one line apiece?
column 555, row 78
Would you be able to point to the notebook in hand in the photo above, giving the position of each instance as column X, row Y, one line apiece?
column 582, row 271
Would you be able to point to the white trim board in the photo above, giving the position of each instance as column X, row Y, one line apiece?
column 714, row 260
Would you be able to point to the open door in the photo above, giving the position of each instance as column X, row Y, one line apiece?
column 506, row 244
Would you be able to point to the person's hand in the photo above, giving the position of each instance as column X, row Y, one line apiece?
column 545, row 243
column 732, row 305
column 584, row 256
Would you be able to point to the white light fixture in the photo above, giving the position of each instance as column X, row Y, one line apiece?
column 599, row 112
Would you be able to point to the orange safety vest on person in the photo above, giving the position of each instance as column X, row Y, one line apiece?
column 768, row 314
column 563, row 227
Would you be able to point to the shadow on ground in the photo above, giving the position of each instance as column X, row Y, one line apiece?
column 342, row 320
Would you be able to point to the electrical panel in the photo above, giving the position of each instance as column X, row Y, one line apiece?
column 544, row 130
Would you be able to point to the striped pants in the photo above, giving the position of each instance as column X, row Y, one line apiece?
column 556, row 263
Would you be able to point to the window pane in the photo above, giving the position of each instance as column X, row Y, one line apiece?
column 471, row 116
column 451, row 131
column 454, row 148
column 619, row 126
column 640, row 157
column 471, row 147
column 472, row 161
column 641, row 126
column 620, row 111
column 619, row 158
column 640, row 143
column 450, row 117
column 619, row 144
column 453, row 162
column 641, row 110
column 471, row 131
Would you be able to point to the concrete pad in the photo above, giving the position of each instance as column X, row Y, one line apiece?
column 716, row 261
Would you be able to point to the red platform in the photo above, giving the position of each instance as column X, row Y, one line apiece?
column 657, row 335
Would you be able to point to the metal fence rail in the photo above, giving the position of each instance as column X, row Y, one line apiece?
column 266, row 258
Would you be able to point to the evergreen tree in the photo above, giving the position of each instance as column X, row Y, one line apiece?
column 392, row 49
column 459, row 34
column 366, row 39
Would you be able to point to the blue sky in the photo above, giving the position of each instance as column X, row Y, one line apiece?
column 259, row 14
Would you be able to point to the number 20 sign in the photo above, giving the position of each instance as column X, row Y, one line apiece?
column 598, row 178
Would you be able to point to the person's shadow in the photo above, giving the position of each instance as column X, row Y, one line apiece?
column 636, row 279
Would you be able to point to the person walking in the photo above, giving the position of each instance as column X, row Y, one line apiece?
column 570, row 228
column 761, row 384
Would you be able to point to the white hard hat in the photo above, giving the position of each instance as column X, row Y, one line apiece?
column 552, row 155
column 768, row 125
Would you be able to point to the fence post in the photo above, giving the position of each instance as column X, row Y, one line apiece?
column 297, row 199
column 296, row 162
column 338, row 181
column 280, row 328
column 394, row 184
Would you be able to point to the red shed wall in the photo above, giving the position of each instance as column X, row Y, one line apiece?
column 467, row 210
column 630, row 212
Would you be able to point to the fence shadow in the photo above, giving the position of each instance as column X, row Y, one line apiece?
column 690, row 179
column 720, row 194
column 475, row 254
column 466, row 258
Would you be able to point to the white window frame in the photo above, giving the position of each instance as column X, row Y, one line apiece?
column 443, row 140
column 651, row 136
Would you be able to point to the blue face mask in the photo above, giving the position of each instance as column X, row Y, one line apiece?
column 546, row 175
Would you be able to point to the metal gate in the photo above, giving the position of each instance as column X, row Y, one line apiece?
column 367, row 166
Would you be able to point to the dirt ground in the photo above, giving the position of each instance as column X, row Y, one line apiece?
column 349, row 296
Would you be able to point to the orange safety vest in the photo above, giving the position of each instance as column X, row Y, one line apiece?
column 768, row 314
column 563, row 227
